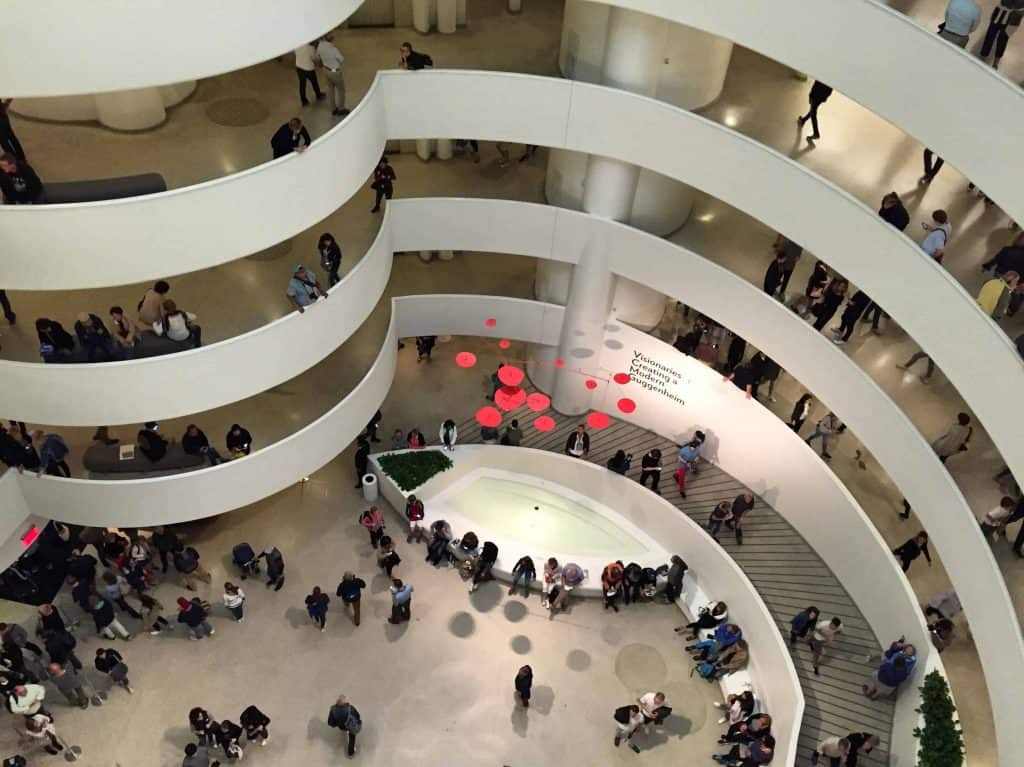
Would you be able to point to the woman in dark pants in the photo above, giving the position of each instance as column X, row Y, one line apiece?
column 830, row 302
column 524, row 685
column 330, row 257
column 801, row 410
column 912, row 549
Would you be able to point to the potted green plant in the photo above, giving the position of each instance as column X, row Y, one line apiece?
column 942, row 744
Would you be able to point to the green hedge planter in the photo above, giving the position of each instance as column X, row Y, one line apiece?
column 941, row 741
column 412, row 469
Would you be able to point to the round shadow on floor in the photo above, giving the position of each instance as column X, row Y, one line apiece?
column 486, row 597
column 515, row 611
column 611, row 633
column 520, row 644
column 611, row 343
column 237, row 112
column 578, row 660
column 462, row 624
column 581, row 353
column 640, row 666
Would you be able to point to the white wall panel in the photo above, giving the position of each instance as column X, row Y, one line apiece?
column 57, row 48
column 878, row 57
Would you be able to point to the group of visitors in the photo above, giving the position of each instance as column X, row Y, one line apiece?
column 732, row 514
column 38, row 451
column 350, row 589
column 224, row 735
column 153, row 445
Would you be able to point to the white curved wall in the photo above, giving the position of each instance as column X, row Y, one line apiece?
column 109, row 45
column 217, row 222
column 879, row 57
column 205, row 378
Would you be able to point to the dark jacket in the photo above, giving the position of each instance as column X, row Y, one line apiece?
column 82, row 566
column 275, row 563
column 524, row 682
column 896, row 215
column 1008, row 259
column 102, row 614
column 241, row 441
column 417, row 60
column 59, row 646
column 151, row 444
column 284, row 141
column 489, row 553
column 57, row 337
column 351, row 591
column 855, row 308
column 108, row 661
column 345, row 717
column 572, row 440
column 22, row 186
column 618, row 466
column 801, row 622
column 194, row 444
column 330, row 257
column 525, row 565
column 94, row 333
column 193, row 616
column 318, row 602
column 252, row 718
column 819, row 92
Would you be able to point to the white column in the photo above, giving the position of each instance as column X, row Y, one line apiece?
column 446, row 16
column 136, row 109
column 444, row 149
column 424, row 148
column 586, row 314
column 515, row 6
column 421, row 16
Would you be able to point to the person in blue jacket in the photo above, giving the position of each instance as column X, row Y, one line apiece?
column 802, row 622
column 897, row 667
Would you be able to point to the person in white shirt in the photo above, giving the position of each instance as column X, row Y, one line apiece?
column 939, row 231
column 995, row 519
column 649, row 704
column 178, row 325
column 305, row 68
column 824, row 633
column 962, row 17
column 331, row 59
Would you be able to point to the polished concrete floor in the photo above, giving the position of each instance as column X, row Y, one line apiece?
column 859, row 151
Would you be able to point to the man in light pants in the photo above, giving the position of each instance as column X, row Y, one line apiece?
column 331, row 59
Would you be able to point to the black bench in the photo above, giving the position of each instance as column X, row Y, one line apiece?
column 104, row 462
column 94, row 190
column 149, row 345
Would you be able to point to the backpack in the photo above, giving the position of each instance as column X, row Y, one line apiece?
column 186, row 560
column 705, row 669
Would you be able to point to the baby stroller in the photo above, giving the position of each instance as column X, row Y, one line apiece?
column 245, row 558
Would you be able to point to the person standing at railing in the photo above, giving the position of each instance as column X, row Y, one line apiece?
column 962, row 18
column 383, row 182
column 290, row 137
column 413, row 60
column 1005, row 20
column 330, row 258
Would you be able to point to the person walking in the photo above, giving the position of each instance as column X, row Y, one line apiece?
column 103, row 615
column 331, row 60
column 70, row 685
column 234, row 600
column 627, row 719
column 401, row 602
column 826, row 309
column 255, row 723
column 373, row 521
column 962, row 18
column 801, row 623
column 774, row 273
column 330, row 259
column 817, row 96
column 791, row 253
column 387, row 557
column 913, row 549
column 996, row 519
column 361, row 459
column 835, row 749
column 351, row 592
column 109, row 661
column 855, row 307
column 40, row 727
column 939, row 232
column 524, row 685
column 650, row 469
column 186, row 562
column 316, row 606
column 1004, row 22
column 198, row 756
column 113, row 590
column 345, row 717
column 292, row 136
column 721, row 514
column 165, row 542
column 955, row 439
column 525, row 571
column 305, row 68
column 801, row 410
column 275, row 566
column 425, row 347
column 898, row 665
column 192, row 614
column 827, row 426
column 60, row 646
column 823, row 635
column 995, row 295
column 741, row 504
column 414, row 512
column 920, row 355
column 552, row 576
column 383, row 182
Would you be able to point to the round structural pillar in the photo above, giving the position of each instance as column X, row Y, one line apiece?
column 421, row 16
column 444, row 149
column 586, row 314
column 515, row 6
column 136, row 109
column 447, row 14
column 424, row 148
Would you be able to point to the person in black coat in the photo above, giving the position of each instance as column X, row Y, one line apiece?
column 255, row 724
column 55, row 343
column 8, row 141
column 362, row 459
column 524, row 685
column 383, row 183
column 290, row 137
column 151, row 444
column 801, row 410
column 774, row 274
column 372, row 426
column 619, row 463
column 912, row 549
column 819, row 95
column 413, row 60
column 330, row 257
column 650, row 469
column 18, row 182
column 93, row 336
column 825, row 309
column 893, row 212
column 239, row 441
column 855, row 307
column 578, row 443
column 194, row 442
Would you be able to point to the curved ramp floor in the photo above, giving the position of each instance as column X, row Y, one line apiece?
column 787, row 573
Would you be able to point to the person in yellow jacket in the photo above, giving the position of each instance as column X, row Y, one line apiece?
column 994, row 295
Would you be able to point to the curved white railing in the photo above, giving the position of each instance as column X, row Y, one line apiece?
column 207, row 377
column 545, row 232
column 113, row 45
column 887, row 62
column 215, row 221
